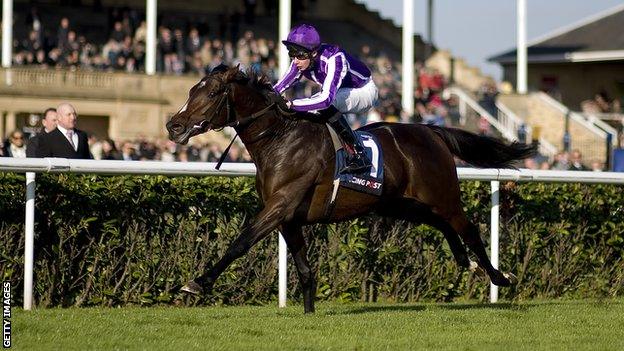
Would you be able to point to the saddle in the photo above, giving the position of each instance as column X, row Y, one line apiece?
column 368, row 182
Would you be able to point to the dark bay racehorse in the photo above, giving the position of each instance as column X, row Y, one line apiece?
column 295, row 160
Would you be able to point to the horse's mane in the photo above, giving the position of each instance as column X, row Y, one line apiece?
column 259, row 81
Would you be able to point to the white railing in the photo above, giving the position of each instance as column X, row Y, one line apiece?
column 577, row 117
column 467, row 100
column 600, row 123
column 506, row 122
column 56, row 165
column 513, row 123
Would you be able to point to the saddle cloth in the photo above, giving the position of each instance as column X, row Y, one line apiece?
column 369, row 182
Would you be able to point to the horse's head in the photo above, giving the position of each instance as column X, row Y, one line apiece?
column 208, row 106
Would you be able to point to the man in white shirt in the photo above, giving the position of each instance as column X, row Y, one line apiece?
column 66, row 141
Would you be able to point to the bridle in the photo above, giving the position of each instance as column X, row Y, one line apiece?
column 238, row 124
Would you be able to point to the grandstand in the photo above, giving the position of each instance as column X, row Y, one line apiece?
column 104, row 77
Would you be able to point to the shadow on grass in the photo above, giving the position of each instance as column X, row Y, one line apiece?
column 384, row 308
column 418, row 308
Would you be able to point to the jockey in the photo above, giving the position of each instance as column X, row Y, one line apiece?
column 346, row 87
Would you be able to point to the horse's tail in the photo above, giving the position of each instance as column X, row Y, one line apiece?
column 483, row 151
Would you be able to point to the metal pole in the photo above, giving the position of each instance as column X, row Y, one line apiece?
column 282, row 271
column 429, row 45
column 521, row 64
column 494, row 223
column 407, row 98
column 7, row 32
column 284, row 28
column 150, row 40
column 29, row 240
column 609, row 157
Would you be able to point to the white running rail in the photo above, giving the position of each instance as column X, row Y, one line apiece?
column 58, row 165
column 513, row 123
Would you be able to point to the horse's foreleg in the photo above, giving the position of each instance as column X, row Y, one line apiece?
column 293, row 236
column 266, row 221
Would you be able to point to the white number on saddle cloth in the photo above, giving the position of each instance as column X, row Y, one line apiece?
column 369, row 143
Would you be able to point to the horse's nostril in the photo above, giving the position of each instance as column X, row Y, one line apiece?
column 176, row 127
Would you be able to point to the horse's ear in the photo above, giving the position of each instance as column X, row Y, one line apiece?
column 232, row 74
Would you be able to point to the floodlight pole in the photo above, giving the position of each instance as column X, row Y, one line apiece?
column 7, row 40
column 521, row 62
column 284, row 28
column 150, row 40
column 407, row 93
column 7, row 32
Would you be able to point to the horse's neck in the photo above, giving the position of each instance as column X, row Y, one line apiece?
column 273, row 138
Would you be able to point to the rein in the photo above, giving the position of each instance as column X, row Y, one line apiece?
column 237, row 123
column 242, row 123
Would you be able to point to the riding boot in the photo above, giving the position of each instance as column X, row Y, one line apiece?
column 357, row 161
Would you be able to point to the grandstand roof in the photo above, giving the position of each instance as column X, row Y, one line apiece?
column 595, row 38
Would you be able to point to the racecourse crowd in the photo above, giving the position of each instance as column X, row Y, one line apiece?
column 195, row 49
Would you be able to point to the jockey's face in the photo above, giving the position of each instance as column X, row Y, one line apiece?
column 302, row 58
column 302, row 65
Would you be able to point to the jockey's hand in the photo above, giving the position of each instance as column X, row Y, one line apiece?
column 289, row 104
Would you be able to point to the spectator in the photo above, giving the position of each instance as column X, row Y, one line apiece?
column 65, row 141
column 48, row 122
column 529, row 163
column 140, row 35
column 16, row 146
column 109, row 151
column 561, row 162
column 62, row 32
column 128, row 152
column 95, row 146
column 602, row 103
column 576, row 161
column 597, row 166
column 118, row 34
column 193, row 42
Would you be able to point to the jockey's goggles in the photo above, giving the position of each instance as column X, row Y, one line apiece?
column 299, row 54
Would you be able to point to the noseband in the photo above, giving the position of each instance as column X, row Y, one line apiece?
column 238, row 124
column 231, row 113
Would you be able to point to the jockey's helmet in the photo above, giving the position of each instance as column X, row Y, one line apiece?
column 303, row 36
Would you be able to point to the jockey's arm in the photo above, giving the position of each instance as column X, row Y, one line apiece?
column 291, row 76
column 336, row 71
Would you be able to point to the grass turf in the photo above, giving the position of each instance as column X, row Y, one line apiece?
column 546, row 325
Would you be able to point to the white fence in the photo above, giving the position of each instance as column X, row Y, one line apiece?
column 57, row 165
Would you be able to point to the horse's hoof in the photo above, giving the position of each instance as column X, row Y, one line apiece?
column 513, row 280
column 193, row 288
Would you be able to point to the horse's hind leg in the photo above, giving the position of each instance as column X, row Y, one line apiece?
column 416, row 212
column 458, row 249
column 293, row 235
column 470, row 234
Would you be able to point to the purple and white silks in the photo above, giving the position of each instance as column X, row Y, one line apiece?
column 334, row 69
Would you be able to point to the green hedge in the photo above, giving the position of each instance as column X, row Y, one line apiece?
column 133, row 240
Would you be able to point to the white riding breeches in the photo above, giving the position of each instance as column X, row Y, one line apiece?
column 356, row 100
